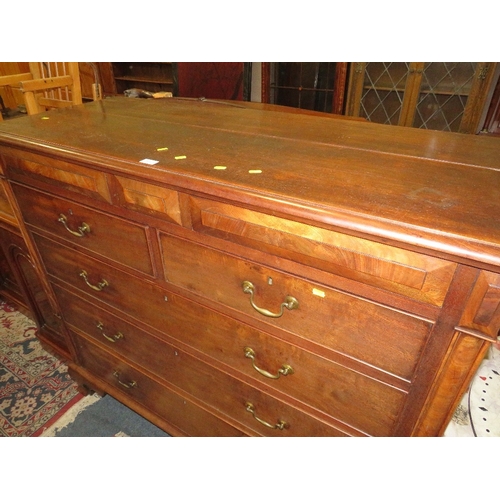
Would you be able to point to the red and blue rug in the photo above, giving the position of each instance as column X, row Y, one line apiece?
column 35, row 388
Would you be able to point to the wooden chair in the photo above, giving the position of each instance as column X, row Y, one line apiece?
column 50, row 85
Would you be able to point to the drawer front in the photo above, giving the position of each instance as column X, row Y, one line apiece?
column 182, row 413
column 335, row 390
column 111, row 237
column 114, row 333
column 6, row 212
column 25, row 167
column 150, row 199
column 228, row 396
column 100, row 281
column 371, row 333
column 417, row 276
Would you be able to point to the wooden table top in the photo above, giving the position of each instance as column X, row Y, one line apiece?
column 439, row 191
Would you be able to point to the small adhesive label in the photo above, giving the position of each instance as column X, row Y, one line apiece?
column 319, row 293
column 147, row 161
column 182, row 157
column 255, row 171
column 45, row 118
column 220, row 167
column 161, row 149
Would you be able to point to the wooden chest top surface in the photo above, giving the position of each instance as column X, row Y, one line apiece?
column 438, row 191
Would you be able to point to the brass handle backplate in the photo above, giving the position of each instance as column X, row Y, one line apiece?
column 290, row 302
column 280, row 425
column 130, row 385
column 103, row 283
column 82, row 230
column 284, row 370
column 116, row 337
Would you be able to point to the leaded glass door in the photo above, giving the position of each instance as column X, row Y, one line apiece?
column 380, row 91
column 437, row 95
column 443, row 96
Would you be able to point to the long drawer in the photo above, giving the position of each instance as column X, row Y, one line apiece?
column 177, row 410
column 226, row 395
column 341, row 393
column 104, row 234
column 358, row 328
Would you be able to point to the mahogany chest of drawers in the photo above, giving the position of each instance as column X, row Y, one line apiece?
column 226, row 270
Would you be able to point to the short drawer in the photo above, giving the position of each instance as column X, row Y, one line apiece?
column 417, row 276
column 178, row 411
column 149, row 199
column 341, row 393
column 100, row 281
column 27, row 167
column 372, row 333
column 104, row 234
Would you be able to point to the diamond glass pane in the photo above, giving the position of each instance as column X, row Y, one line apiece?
column 383, row 91
column 443, row 95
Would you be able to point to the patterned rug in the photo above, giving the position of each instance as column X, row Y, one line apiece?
column 94, row 416
column 35, row 388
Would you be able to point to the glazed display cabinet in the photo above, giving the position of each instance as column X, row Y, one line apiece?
column 436, row 95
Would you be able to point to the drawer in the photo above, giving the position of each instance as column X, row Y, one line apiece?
column 331, row 388
column 374, row 334
column 6, row 211
column 149, row 199
column 226, row 395
column 100, row 281
column 104, row 234
column 417, row 276
column 27, row 167
column 113, row 332
column 178, row 411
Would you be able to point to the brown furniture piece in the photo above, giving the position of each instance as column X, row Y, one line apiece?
column 150, row 76
column 230, row 270
column 437, row 96
column 50, row 85
column 211, row 80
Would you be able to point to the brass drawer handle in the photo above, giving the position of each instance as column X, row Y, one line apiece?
column 97, row 287
column 84, row 228
column 116, row 337
column 284, row 370
column 130, row 385
column 290, row 302
column 280, row 425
